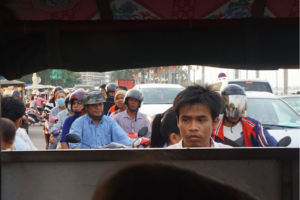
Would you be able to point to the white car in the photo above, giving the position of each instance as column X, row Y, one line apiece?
column 275, row 115
column 158, row 97
column 256, row 85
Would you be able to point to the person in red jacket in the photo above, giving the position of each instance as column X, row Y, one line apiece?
column 234, row 127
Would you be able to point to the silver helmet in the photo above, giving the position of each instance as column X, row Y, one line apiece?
column 235, row 101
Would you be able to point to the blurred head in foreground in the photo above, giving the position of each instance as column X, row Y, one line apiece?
column 161, row 182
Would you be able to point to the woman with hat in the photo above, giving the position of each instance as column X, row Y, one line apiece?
column 119, row 101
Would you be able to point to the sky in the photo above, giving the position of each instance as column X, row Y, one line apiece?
column 211, row 74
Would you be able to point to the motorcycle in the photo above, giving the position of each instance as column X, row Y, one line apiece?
column 141, row 142
column 73, row 138
column 32, row 116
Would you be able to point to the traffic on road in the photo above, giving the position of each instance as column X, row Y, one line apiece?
column 113, row 116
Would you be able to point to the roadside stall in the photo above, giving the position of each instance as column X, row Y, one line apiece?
column 9, row 86
column 33, row 88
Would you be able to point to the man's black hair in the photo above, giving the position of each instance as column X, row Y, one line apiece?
column 199, row 94
column 103, row 86
column 163, row 125
column 122, row 87
column 12, row 108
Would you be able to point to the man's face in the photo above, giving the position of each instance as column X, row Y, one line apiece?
column 111, row 94
column 77, row 106
column 133, row 103
column 95, row 110
column 120, row 100
column 196, row 125
column 103, row 91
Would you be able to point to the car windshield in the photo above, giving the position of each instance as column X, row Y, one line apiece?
column 253, row 86
column 160, row 95
column 272, row 112
column 294, row 102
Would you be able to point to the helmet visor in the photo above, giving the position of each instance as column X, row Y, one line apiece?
column 235, row 105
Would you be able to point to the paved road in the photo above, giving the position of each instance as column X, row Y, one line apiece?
column 36, row 136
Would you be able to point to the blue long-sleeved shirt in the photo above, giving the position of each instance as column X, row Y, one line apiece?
column 66, row 127
column 98, row 135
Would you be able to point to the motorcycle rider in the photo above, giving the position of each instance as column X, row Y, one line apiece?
column 94, row 128
column 244, row 131
column 132, row 120
column 24, row 124
column 52, row 103
column 60, row 97
column 110, row 92
column 13, row 109
column 7, row 132
column 102, row 89
column 39, row 102
column 77, row 108
column 197, row 109
column 114, row 108
column 61, row 117
column 17, row 94
column 39, row 99
column 165, row 131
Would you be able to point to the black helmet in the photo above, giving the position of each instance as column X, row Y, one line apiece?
column 135, row 94
column 235, row 101
column 111, row 87
column 233, row 89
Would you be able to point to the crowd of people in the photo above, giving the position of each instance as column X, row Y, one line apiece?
column 199, row 117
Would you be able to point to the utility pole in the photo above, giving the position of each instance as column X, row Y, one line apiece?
column 285, row 81
column 246, row 74
column 257, row 74
column 179, row 75
column 189, row 75
column 160, row 76
column 194, row 77
column 170, row 75
column 203, row 76
column 236, row 73
column 277, row 82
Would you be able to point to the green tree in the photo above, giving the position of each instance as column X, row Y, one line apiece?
column 69, row 78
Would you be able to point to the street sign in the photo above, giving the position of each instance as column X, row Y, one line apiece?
column 59, row 74
column 56, row 74
column 222, row 75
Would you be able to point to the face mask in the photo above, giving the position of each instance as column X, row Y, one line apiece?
column 69, row 107
column 61, row 102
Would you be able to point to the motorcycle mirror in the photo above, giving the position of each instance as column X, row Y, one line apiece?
column 143, row 131
column 284, row 142
column 73, row 138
